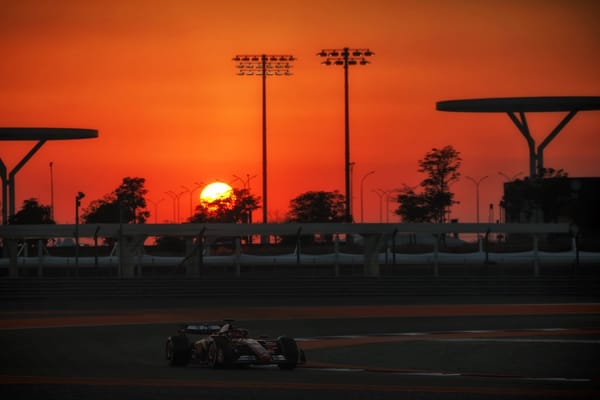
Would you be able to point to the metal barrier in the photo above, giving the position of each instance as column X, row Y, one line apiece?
column 375, row 237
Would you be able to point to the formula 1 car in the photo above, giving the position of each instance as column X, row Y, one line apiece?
column 223, row 345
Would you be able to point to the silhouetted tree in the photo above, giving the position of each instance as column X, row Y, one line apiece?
column 431, row 205
column 125, row 204
column 131, row 194
column 105, row 210
column 236, row 208
column 317, row 206
column 32, row 212
column 413, row 207
column 554, row 173
column 539, row 199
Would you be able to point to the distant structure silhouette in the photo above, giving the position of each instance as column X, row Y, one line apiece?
column 41, row 135
column 516, row 107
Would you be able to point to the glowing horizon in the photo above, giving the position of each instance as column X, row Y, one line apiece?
column 159, row 85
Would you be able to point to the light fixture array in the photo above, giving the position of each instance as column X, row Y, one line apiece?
column 260, row 64
column 345, row 56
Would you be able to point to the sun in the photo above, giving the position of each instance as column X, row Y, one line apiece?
column 215, row 191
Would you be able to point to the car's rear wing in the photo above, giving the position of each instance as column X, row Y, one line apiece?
column 201, row 328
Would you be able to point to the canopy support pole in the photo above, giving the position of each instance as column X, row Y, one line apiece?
column 536, row 156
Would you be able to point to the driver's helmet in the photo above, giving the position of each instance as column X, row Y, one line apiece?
column 225, row 329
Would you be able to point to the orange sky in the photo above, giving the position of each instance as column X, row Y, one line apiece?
column 157, row 80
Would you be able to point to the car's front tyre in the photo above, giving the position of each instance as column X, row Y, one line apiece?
column 289, row 348
column 177, row 351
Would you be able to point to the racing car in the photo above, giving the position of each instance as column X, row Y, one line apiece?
column 224, row 345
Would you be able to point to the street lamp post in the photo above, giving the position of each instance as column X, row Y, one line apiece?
column 188, row 190
column 510, row 178
column 362, row 181
column 245, row 182
column 380, row 193
column 78, row 198
column 352, row 164
column 155, row 204
column 191, row 192
column 51, row 190
column 388, row 194
column 476, row 182
column 264, row 65
column 346, row 57
column 384, row 194
column 175, row 197
column 198, row 185
column 246, row 185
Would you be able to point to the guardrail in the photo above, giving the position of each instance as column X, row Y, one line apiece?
column 131, row 238
column 291, row 229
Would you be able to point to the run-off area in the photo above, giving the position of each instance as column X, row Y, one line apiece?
column 375, row 353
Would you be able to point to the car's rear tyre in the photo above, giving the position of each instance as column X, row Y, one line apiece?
column 177, row 351
column 220, row 353
column 211, row 357
column 289, row 348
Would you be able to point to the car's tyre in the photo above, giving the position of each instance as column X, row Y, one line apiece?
column 220, row 353
column 289, row 348
column 226, row 353
column 177, row 350
column 212, row 357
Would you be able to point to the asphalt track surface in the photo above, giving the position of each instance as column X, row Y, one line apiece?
column 356, row 349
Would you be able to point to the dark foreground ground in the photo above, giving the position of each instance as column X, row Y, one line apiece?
column 484, row 333
column 358, row 347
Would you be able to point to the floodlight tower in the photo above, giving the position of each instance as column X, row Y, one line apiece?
column 264, row 65
column 346, row 57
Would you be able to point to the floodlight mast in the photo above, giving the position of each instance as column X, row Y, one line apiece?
column 264, row 65
column 345, row 57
